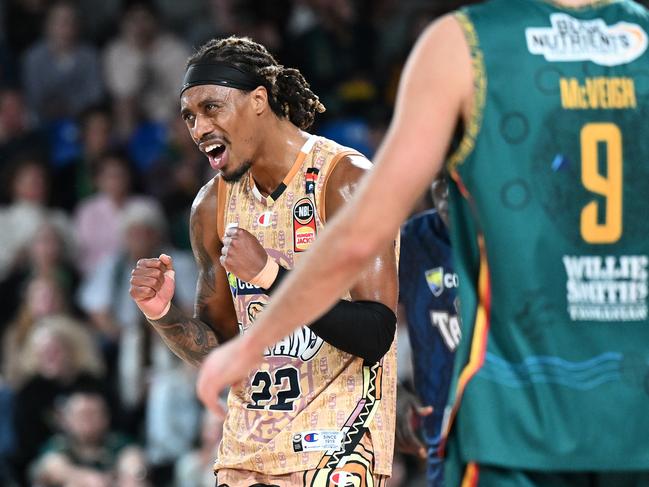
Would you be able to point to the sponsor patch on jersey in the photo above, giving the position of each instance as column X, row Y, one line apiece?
column 310, row 179
column 438, row 280
column 304, row 228
column 303, row 211
column 607, row 287
column 344, row 479
column 232, row 280
column 318, row 440
column 241, row 288
column 570, row 39
column 304, row 237
column 265, row 219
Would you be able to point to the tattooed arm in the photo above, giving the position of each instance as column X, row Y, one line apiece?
column 152, row 287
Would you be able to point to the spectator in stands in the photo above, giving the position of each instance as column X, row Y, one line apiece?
column 143, row 67
column 332, row 53
column 61, row 75
column 24, row 20
column 61, row 358
column 221, row 20
column 172, row 417
column 131, row 469
column 28, row 186
column 73, row 180
column 194, row 468
column 18, row 132
column 44, row 296
column 47, row 255
column 176, row 179
column 85, row 452
column 104, row 295
column 7, row 433
column 97, row 219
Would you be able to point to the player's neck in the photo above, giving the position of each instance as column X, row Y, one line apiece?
column 278, row 152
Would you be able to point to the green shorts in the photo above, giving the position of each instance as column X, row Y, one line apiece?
column 458, row 473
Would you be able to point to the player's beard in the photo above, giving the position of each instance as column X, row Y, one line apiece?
column 237, row 174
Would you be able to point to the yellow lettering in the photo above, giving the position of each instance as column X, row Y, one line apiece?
column 615, row 94
column 592, row 88
column 629, row 92
column 568, row 93
column 597, row 93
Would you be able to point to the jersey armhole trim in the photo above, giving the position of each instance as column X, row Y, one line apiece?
column 220, row 208
column 594, row 5
column 472, row 129
column 322, row 210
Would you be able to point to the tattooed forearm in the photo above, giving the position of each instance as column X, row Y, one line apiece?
column 189, row 338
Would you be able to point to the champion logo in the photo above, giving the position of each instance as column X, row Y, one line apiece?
column 311, row 437
column 340, row 478
column 265, row 219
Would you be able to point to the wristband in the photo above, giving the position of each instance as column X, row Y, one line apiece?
column 164, row 312
column 267, row 275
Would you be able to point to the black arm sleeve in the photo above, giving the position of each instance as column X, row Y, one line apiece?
column 363, row 328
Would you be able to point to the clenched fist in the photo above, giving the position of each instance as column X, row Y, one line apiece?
column 152, row 285
column 242, row 254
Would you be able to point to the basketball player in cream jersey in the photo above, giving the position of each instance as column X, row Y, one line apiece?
column 319, row 410
column 548, row 206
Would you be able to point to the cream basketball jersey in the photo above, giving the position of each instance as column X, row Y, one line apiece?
column 309, row 404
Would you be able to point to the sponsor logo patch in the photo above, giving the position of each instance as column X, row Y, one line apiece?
column 570, row 39
column 304, row 227
column 265, row 219
column 342, row 478
column 241, row 288
column 607, row 288
column 304, row 237
column 232, row 280
column 303, row 211
column 310, row 178
column 319, row 440
column 438, row 280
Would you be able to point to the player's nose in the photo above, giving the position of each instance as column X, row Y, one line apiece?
column 202, row 127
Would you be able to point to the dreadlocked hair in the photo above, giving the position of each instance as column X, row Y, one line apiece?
column 289, row 94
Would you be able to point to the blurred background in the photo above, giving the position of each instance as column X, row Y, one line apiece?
column 97, row 170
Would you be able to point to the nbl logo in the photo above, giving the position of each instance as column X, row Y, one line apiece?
column 304, row 224
column 303, row 211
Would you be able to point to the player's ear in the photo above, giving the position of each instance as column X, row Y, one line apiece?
column 259, row 100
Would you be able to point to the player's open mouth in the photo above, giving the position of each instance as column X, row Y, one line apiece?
column 216, row 153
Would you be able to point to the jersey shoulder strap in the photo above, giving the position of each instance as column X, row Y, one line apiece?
column 331, row 167
column 221, row 199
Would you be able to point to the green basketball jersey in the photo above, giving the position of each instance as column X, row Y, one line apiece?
column 550, row 238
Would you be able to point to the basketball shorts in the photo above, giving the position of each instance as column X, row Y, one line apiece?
column 356, row 472
column 460, row 474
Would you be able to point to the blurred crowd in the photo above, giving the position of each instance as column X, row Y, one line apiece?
column 97, row 170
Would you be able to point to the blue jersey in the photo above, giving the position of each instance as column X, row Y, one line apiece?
column 427, row 291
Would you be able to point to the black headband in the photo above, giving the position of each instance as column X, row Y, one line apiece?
column 220, row 73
